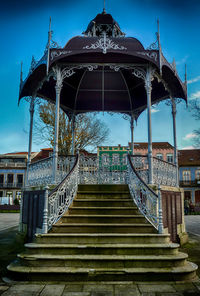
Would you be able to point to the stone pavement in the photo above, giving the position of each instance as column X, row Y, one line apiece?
column 102, row 289
column 192, row 223
column 8, row 220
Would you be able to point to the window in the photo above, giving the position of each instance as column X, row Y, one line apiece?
column 18, row 195
column 124, row 159
column 105, row 158
column 186, row 177
column 1, row 193
column 197, row 173
column 9, row 194
column 1, row 179
column 19, row 180
column 115, row 158
column 170, row 157
column 159, row 155
column 10, row 179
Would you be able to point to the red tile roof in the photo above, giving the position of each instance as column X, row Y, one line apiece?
column 155, row 145
column 189, row 157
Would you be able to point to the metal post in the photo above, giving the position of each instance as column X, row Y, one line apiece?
column 175, row 140
column 73, row 134
column 132, row 131
column 148, row 91
column 45, row 211
column 32, row 104
column 59, row 80
column 160, row 216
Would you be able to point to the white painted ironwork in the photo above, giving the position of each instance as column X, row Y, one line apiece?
column 102, row 170
column 40, row 172
column 62, row 196
column 164, row 172
column 105, row 43
column 143, row 196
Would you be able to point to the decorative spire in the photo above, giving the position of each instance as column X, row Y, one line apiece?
column 159, row 46
column 185, row 75
column 21, row 74
column 104, row 7
column 174, row 64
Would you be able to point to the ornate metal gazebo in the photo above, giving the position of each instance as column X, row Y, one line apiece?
column 105, row 71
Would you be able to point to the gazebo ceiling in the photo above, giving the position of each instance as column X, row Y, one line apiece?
column 100, row 69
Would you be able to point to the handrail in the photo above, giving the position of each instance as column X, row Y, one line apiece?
column 143, row 196
column 62, row 195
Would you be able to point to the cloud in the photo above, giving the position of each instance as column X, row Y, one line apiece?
column 154, row 110
column 195, row 95
column 193, row 80
column 189, row 137
column 183, row 60
column 188, row 148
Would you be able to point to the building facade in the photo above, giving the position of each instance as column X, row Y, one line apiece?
column 161, row 150
column 12, row 176
column 189, row 174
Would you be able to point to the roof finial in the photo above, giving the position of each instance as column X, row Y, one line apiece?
column 104, row 7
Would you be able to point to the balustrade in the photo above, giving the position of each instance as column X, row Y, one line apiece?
column 62, row 196
column 143, row 196
column 40, row 172
column 94, row 170
column 164, row 173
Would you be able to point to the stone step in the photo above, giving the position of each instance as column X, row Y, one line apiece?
column 103, row 210
column 41, row 273
column 100, row 261
column 103, row 194
column 103, row 187
column 102, row 238
column 125, row 219
column 103, row 249
column 88, row 202
column 103, row 228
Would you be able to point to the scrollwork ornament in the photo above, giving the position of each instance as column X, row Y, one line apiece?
column 105, row 44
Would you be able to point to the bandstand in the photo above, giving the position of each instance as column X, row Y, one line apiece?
column 103, row 71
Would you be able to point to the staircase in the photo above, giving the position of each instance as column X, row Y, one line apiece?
column 103, row 237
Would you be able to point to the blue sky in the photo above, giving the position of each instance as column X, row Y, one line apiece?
column 24, row 30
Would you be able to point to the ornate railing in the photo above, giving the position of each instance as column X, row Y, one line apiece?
column 62, row 196
column 143, row 196
column 164, row 173
column 40, row 172
column 93, row 170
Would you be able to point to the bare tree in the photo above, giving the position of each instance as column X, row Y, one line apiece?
column 90, row 131
column 195, row 109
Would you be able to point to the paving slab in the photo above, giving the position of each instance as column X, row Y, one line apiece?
column 156, row 288
column 52, row 290
column 76, row 294
column 73, row 288
column 3, row 289
column 24, row 290
column 124, row 290
column 102, row 288
column 106, row 293
column 187, row 287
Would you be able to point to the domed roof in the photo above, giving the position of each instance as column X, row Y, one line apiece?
column 103, row 22
column 103, row 19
